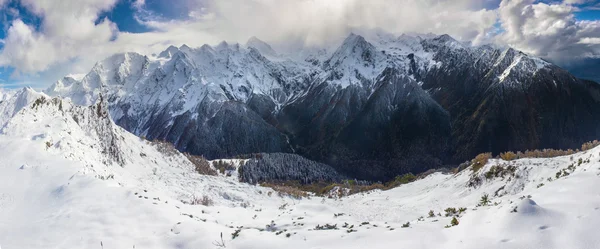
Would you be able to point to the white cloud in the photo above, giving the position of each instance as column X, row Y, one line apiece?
column 68, row 31
column 24, row 49
column 547, row 30
column 317, row 22
column 588, row 40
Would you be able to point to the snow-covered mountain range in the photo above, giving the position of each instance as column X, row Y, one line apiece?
column 71, row 178
column 398, row 104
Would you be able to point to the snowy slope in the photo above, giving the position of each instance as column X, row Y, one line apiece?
column 62, row 185
column 5, row 94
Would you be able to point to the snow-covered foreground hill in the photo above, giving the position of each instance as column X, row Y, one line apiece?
column 70, row 178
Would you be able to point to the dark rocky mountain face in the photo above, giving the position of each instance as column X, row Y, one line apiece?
column 370, row 110
column 501, row 107
column 373, row 134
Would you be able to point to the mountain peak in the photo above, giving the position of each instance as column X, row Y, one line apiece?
column 185, row 48
column 354, row 46
column 253, row 40
column 222, row 45
column 447, row 40
column 169, row 52
column 261, row 46
column 353, row 40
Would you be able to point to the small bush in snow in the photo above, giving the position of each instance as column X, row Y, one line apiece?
column 283, row 206
column 431, row 214
column 271, row 227
column 500, row 171
column 205, row 201
column 485, row 200
column 454, row 221
column 405, row 225
column 450, row 212
column 220, row 244
column 236, row 233
column 326, row 227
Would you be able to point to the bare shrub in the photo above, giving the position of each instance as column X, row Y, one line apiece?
column 508, row 156
column 284, row 190
column 500, row 171
column 223, row 166
column 548, row 153
column 480, row 160
column 201, row 165
column 590, row 145
column 205, row 201
column 164, row 147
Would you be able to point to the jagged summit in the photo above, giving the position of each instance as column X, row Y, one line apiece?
column 17, row 101
column 169, row 52
column 185, row 48
column 355, row 62
column 264, row 48
column 222, row 46
column 353, row 43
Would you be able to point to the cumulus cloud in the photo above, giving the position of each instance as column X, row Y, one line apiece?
column 548, row 30
column 318, row 22
column 68, row 30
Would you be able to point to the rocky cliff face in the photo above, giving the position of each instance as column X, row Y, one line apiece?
column 373, row 108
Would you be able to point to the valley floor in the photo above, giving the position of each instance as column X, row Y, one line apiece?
column 58, row 194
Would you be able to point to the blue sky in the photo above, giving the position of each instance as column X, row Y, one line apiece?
column 149, row 25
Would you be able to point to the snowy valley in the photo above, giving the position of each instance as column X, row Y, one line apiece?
column 71, row 178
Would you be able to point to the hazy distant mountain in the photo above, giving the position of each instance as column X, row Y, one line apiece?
column 586, row 69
